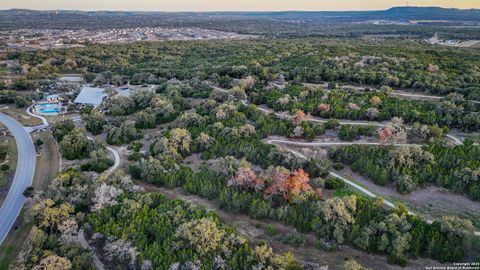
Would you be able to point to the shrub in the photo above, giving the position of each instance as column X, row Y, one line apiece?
column 338, row 166
column 334, row 183
column 332, row 123
column 5, row 167
column 319, row 129
column 293, row 239
column 28, row 192
column 272, row 231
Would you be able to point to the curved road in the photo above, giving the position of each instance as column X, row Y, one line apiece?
column 115, row 154
column 25, row 170
column 45, row 124
column 395, row 93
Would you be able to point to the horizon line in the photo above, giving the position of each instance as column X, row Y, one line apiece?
column 231, row 11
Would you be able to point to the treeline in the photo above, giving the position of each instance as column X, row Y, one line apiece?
column 452, row 167
column 172, row 233
column 291, row 194
column 356, row 221
column 20, row 100
column 406, row 65
column 131, row 229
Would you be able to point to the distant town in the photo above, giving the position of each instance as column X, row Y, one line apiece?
column 435, row 40
column 32, row 39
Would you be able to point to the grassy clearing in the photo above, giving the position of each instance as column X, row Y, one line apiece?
column 13, row 245
column 12, row 152
column 21, row 116
column 11, row 160
column 344, row 192
column 56, row 118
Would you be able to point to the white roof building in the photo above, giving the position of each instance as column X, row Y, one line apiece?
column 71, row 79
column 91, row 96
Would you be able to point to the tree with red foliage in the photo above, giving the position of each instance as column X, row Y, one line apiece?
column 246, row 178
column 279, row 185
column 395, row 132
column 324, row 107
column 288, row 184
column 385, row 135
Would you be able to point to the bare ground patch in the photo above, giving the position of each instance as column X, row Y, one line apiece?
column 432, row 202
column 48, row 160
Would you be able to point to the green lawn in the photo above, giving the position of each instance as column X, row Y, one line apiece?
column 13, row 244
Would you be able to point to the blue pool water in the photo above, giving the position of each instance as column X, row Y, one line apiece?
column 54, row 110
column 48, row 108
column 47, row 105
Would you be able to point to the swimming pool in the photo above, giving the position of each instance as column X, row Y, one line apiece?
column 54, row 110
column 48, row 108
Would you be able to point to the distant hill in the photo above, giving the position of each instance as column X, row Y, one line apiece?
column 430, row 13
column 395, row 13
column 23, row 18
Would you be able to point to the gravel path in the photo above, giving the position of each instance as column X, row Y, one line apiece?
column 350, row 183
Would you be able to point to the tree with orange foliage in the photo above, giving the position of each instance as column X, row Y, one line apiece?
column 376, row 100
column 246, row 178
column 395, row 132
column 385, row 135
column 288, row 184
column 324, row 107
column 299, row 117
column 299, row 183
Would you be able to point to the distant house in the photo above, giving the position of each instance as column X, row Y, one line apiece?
column 53, row 98
column 71, row 79
column 91, row 96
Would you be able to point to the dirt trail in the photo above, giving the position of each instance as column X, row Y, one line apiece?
column 255, row 230
column 48, row 162
column 432, row 202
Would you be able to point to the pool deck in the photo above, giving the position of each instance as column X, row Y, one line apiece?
column 46, row 108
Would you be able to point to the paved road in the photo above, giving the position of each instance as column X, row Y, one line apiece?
column 117, row 159
column 14, row 201
column 44, row 124
column 116, row 156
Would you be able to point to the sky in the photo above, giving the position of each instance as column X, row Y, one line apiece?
column 230, row 5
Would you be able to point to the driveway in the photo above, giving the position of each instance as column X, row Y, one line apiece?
column 25, row 170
